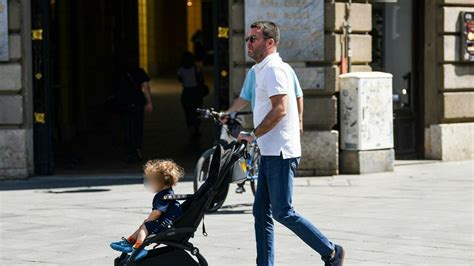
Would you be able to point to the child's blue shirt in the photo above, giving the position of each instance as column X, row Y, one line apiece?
column 170, row 209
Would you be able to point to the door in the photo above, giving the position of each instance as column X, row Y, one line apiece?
column 42, row 93
column 393, row 43
column 221, row 54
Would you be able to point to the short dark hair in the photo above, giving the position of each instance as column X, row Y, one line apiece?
column 269, row 29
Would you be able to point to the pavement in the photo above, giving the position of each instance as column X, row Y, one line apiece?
column 420, row 214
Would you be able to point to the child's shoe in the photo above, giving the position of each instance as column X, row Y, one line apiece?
column 140, row 255
column 122, row 246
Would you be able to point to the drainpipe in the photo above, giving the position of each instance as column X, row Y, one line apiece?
column 348, row 31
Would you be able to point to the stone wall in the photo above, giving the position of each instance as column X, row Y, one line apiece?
column 360, row 19
column 450, row 142
column 320, row 142
column 16, row 137
column 449, row 84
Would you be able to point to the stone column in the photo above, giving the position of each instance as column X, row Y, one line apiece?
column 16, row 123
column 449, row 84
column 321, row 139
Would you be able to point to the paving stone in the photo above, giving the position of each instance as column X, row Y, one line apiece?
column 420, row 214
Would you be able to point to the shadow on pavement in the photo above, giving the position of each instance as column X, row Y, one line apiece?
column 234, row 209
column 55, row 182
column 66, row 182
column 85, row 190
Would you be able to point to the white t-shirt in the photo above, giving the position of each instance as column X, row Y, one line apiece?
column 273, row 77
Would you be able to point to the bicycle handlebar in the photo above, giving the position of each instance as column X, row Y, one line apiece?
column 244, row 113
column 211, row 112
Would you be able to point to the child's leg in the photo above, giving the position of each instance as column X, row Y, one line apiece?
column 152, row 227
column 132, row 242
column 141, row 234
column 126, row 245
column 133, row 237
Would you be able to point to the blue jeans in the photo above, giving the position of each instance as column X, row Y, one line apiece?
column 273, row 198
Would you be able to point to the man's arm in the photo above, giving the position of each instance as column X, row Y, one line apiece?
column 146, row 91
column 276, row 114
column 238, row 105
column 299, row 102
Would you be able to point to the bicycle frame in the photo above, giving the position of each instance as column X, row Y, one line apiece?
column 248, row 161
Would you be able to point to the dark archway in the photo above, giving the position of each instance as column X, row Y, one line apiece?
column 84, row 45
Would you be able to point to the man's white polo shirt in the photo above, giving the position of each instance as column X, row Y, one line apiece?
column 273, row 77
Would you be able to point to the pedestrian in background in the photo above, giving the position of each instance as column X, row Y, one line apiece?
column 192, row 80
column 198, row 47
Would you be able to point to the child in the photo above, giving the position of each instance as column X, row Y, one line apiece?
column 161, row 175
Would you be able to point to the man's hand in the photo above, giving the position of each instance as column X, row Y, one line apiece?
column 148, row 107
column 245, row 136
column 224, row 117
column 301, row 127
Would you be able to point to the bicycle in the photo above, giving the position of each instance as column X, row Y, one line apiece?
column 243, row 171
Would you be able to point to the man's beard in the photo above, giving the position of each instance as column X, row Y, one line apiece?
column 257, row 54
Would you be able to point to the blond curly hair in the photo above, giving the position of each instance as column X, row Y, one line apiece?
column 165, row 171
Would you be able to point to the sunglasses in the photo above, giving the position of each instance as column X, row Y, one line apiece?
column 252, row 38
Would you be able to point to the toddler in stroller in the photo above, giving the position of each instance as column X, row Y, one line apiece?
column 172, row 246
column 161, row 176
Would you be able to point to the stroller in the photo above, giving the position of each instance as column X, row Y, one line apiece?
column 176, row 249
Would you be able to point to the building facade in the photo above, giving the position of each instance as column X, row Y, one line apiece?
column 448, row 83
column 419, row 42
column 16, row 94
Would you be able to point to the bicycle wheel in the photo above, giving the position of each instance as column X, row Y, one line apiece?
column 255, row 164
column 200, row 176
column 202, row 168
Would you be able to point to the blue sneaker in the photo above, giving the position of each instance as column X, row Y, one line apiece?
column 142, row 254
column 338, row 258
column 122, row 246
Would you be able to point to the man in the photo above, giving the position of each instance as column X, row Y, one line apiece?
column 247, row 95
column 277, row 133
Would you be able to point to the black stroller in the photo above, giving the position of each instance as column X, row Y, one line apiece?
column 172, row 247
